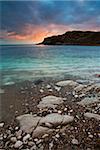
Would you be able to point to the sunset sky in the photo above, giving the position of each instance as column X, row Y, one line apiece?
column 32, row 21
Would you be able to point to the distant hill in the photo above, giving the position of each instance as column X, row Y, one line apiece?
column 74, row 38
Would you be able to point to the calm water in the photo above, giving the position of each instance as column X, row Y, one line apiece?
column 28, row 62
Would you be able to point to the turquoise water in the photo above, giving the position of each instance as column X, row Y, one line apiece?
column 29, row 62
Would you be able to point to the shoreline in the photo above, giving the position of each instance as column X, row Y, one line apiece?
column 25, row 99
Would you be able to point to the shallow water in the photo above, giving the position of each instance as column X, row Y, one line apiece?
column 30, row 62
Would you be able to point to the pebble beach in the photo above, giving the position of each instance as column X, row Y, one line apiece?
column 50, row 115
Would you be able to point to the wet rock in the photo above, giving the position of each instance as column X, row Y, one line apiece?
column 40, row 131
column 18, row 144
column 56, row 119
column 67, row 83
column 88, row 101
column 92, row 115
column 50, row 102
column 28, row 122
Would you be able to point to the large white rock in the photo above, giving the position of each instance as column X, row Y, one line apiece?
column 88, row 101
column 28, row 122
column 92, row 115
column 67, row 83
column 56, row 119
column 50, row 102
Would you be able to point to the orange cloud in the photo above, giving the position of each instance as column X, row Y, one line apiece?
column 36, row 34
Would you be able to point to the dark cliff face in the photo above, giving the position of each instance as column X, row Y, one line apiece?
column 74, row 38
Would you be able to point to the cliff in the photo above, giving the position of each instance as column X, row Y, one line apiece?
column 74, row 38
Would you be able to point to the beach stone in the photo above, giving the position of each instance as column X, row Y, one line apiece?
column 67, row 83
column 50, row 102
column 26, row 137
column 88, row 101
column 40, row 131
column 56, row 119
column 18, row 144
column 1, row 124
column 13, row 139
column 75, row 141
column 92, row 115
column 28, row 122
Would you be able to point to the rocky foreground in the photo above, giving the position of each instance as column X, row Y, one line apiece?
column 66, row 116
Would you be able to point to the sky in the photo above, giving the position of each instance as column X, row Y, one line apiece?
column 32, row 21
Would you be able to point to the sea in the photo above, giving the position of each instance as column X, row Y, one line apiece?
column 19, row 63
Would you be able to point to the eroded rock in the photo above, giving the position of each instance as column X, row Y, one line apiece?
column 40, row 131
column 50, row 102
column 56, row 119
column 28, row 122
column 67, row 83
column 92, row 115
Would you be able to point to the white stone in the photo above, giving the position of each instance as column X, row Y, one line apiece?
column 26, row 137
column 1, row 124
column 75, row 141
column 18, row 144
column 41, row 90
column 48, row 86
column 92, row 115
column 67, row 83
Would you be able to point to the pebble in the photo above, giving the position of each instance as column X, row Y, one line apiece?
column 41, row 90
column 48, row 86
column 26, row 137
column 65, row 109
column 75, row 141
column 13, row 139
column 16, row 128
column 76, row 96
column 1, row 124
column 18, row 144
column 59, row 111
column 45, row 135
column 50, row 90
column 36, row 140
column 90, row 136
column 57, row 135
